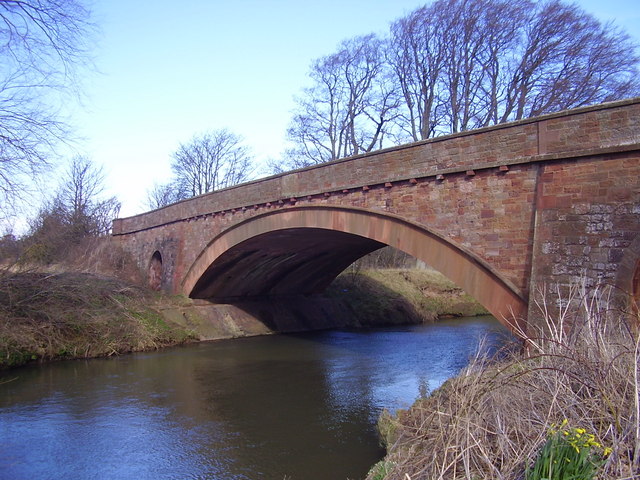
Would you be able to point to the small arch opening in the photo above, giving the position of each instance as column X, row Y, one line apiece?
column 155, row 271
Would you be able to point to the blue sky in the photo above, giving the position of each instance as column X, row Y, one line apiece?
column 176, row 69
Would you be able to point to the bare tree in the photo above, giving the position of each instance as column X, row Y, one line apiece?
column 209, row 162
column 456, row 65
column 464, row 64
column 78, row 211
column 41, row 45
column 349, row 107
column 164, row 194
column 81, row 198
column 472, row 33
column 569, row 59
column 416, row 54
column 504, row 34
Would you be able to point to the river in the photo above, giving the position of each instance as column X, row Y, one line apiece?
column 296, row 406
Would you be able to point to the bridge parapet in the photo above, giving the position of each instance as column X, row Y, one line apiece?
column 587, row 131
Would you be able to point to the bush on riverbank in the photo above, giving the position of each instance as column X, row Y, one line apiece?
column 494, row 419
column 46, row 316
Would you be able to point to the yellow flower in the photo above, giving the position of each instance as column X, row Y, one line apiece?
column 607, row 451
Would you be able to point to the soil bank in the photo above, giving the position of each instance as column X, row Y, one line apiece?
column 76, row 315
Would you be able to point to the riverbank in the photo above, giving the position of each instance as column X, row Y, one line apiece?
column 65, row 315
column 568, row 408
column 55, row 316
column 396, row 296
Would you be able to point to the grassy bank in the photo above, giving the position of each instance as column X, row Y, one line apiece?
column 397, row 296
column 60, row 315
column 569, row 408
column 47, row 316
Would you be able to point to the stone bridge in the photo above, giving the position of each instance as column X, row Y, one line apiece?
column 501, row 211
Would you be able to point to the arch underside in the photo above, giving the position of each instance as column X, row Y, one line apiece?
column 300, row 251
column 291, row 261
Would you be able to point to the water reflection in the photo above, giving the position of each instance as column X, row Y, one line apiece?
column 297, row 405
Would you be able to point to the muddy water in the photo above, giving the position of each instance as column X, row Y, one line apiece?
column 301, row 407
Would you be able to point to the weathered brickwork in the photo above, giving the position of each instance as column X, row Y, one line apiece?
column 589, row 214
column 548, row 200
column 490, row 213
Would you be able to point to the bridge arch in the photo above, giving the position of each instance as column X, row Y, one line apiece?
column 300, row 250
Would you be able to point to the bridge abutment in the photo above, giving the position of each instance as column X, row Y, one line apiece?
column 587, row 233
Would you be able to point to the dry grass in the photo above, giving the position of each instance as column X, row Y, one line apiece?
column 492, row 420
column 84, row 305
column 46, row 316
column 96, row 255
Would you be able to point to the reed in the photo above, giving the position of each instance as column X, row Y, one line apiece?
column 504, row 417
column 48, row 316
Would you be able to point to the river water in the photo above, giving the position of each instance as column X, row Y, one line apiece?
column 301, row 406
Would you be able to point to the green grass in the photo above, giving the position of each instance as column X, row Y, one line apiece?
column 568, row 454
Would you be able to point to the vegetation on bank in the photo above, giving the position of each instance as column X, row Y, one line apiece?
column 401, row 295
column 567, row 408
column 50, row 316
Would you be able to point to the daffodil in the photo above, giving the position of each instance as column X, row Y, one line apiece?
column 583, row 455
